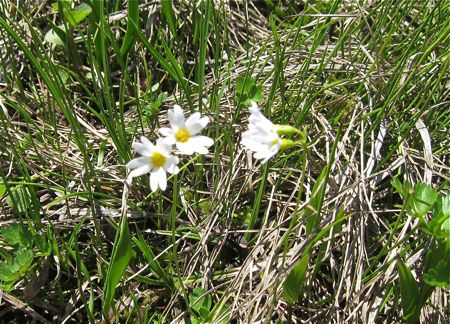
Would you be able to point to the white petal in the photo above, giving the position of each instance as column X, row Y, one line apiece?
column 201, row 150
column 162, row 178
column 163, row 147
column 253, row 146
column 193, row 118
column 201, row 141
column 147, row 143
column 166, row 131
column 154, row 181
column 196, row 126
column 254, row 108
column 176, row 117
column 185, row 148
column 142, row 149
column 137, row 162
column 171, row 165
column 170, row 140
column 266, row 154
column 257, row 118
column 140, row 171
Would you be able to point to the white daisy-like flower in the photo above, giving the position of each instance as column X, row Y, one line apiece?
column 156, row 159
column 262, row 136
column 183, row 133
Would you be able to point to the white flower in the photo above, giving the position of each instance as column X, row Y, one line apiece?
column 156, row 159
column 183, row 132
column 261, row 136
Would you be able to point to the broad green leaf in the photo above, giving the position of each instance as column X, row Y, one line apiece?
column 120, row 258
column 11, row 234
column 14, row 270
column 423, row 199
column 42, row 245
column 443, row 206
column 23, row 260
column 409, row 291
column 442, row 209
column 439, row 276
column 65, row 3
column 405, row 189
column 26, row 238
column 255, row 94
column 64, row 76
column 203, row 312
column 293, row 285
column 200, row 301
column 7, row 273
column 52, row 36
column 244, row 85
column 78, row 14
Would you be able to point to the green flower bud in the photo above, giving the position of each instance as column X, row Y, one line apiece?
column 287, row 144
column 287, row 130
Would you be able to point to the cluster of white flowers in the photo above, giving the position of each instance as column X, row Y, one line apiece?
column 262, row 138
column 158, row 159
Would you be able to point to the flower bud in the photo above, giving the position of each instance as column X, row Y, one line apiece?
column 287, row 144
column 287, row 130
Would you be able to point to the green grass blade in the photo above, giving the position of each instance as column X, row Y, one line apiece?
column 132, row 25
column 120, row 258
column 409, row 291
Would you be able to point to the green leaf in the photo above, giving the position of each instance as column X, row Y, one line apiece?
column 167, row 10
column 65, row 4
column 7, row 274
column 404, row 190
column 439, row 225
column 78, row 14
column 200, row 302
column 120, row 258
column 26, row 238
column 42, row 245
column 16, row 235
column 442, row 210
column 409, row 291
column 132, row 23
column 423, row 199
column 11, row 234
column 244, row 85
column 17, row 268
column 2, row 189
column 312, row 209
column 293, row 285
column 443, row 206
column 439, row 276
column 151, row 259
column 446, row 225
column 53, row 35
column 255, row 94
column 152, row 109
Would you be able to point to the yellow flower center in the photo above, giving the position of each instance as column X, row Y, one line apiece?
column 274, row 142
column 157, row 159
column 182, row 135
